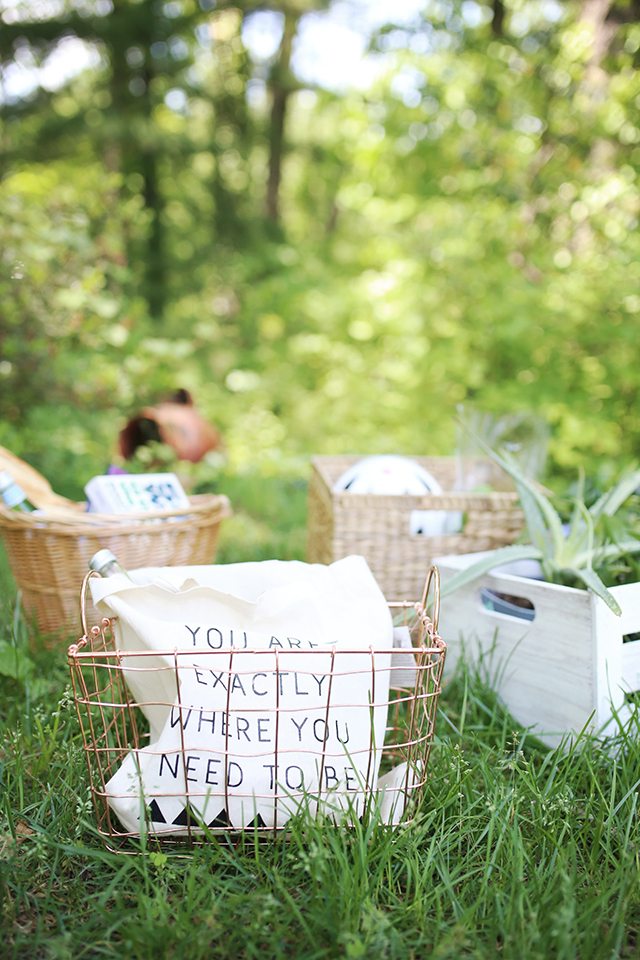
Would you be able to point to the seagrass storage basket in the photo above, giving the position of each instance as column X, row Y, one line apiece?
column 379, row 527
column 49, row 553
column 115, row 729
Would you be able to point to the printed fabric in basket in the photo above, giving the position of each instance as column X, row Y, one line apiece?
column 265, row 686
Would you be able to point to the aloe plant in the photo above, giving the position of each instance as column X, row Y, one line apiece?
column 572, row 550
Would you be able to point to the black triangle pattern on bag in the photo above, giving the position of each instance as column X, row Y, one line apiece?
column 222, row 820
column 187, row 818
column 155, row 813
column 256, row 822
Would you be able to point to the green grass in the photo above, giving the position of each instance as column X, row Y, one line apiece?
column 518, row 851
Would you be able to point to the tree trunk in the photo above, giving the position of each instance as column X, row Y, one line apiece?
column 155, row 286
column 230, row 113
column 154, row 265
column 281, row 89
column 497, row 18
column 595, row 14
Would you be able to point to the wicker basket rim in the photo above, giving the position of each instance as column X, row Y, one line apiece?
column 458, row 500
column 452, row 499
column 210, row 506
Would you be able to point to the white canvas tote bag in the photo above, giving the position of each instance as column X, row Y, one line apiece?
column 265, row 686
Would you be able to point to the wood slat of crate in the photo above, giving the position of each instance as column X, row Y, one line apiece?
column 378, row 527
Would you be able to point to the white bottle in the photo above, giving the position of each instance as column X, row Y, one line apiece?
column 107, row 564
column 13, row 496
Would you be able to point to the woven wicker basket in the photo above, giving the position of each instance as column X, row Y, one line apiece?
column 49, row 552
column 378, row 526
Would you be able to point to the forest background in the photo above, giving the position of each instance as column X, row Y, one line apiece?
column 333, row 222
column 331, row 256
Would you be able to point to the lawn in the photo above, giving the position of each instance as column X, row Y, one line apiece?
column 517, row 850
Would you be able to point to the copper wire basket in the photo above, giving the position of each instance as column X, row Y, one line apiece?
column 114, row 726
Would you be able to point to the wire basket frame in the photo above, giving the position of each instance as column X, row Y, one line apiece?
column 114, row 727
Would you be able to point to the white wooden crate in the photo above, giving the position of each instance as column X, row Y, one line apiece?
column 572, row 667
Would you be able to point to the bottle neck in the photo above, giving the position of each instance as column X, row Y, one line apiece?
column 106, row 565
column 15, row 498
column 111, row 568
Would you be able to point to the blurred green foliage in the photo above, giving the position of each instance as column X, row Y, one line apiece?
column 463, row 229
